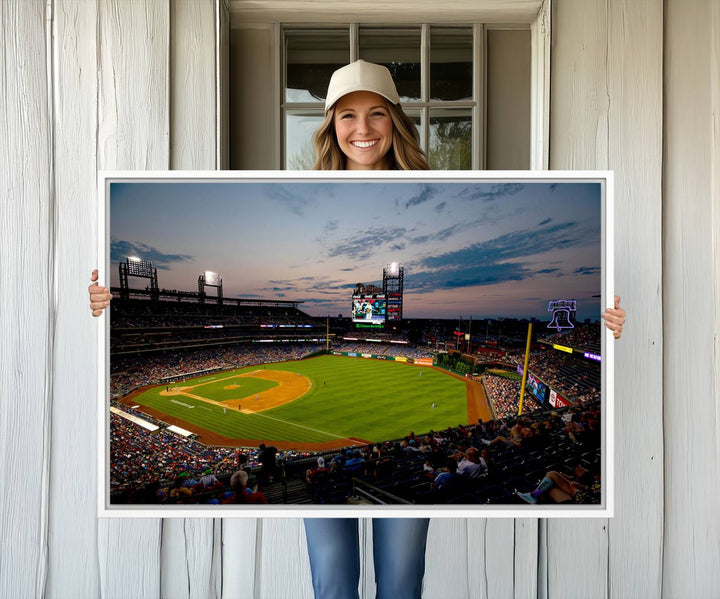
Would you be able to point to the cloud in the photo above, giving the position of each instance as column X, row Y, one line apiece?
column 497, row 191
column 426, row 192
column 487, row 274
column 362, row 245
column 397, row 247
column 546, row 271
column 506, row 258
column 291, row 199
column 443, row 234
column 517, row 244
column 587, row 270
column 120, row 249
column 544, row 222
column 440, row 207
column 331, row 225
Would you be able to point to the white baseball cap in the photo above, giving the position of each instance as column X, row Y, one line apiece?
column 361, row 76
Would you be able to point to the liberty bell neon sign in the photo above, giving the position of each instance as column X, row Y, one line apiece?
column 561, row 310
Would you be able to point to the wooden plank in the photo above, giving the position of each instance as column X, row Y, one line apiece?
column 189, row 565
column 446, row 559
column 692, row 394
column 193, row 85
column 526, row 546
column 72, row 543
column 607, row 85
column 133, row 128
column 187, row 559
column 27, row 316
column 635, row 91
column 239, row 555
column 133, row 133
column 576, row 550
column 490, row 557
column 282, row 567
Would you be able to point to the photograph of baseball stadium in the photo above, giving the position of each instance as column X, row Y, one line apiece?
column 386, row 342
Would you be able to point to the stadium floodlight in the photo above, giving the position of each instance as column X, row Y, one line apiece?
column 137, row 267
column 212, row 278
column 393, row 269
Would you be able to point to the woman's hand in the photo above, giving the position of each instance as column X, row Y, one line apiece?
column 614, row 318
column 99, row 296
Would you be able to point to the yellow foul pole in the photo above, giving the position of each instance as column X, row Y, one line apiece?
column 525, row 369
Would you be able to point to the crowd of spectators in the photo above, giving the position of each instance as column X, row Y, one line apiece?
column 584, row 336
column 575, row 378
column 141, row 458
column 504, row 394
column 485, row 462
column 132, row 314
column 131, row 372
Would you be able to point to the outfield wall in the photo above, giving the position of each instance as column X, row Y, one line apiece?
column 416, row 361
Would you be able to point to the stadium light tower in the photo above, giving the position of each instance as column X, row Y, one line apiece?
column 210, row 279
column 393, row 280
column 143, row 269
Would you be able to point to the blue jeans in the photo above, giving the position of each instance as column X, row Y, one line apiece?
column 398, row 551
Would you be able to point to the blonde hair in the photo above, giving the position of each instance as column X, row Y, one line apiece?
column 405, row 153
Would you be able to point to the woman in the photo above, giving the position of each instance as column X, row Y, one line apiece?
column 365, row 129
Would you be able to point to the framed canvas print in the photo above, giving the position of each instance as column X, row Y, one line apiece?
column 340, row 344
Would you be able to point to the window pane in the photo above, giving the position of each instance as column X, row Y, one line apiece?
column 451, row 56
column 415, row 117
column 299, row 150
column 311, row 57
column 450, row 139
column 399, row 51
column 508, row 100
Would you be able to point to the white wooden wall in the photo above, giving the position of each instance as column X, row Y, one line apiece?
column 635, row 87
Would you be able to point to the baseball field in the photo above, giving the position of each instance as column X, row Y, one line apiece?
column 317, row 403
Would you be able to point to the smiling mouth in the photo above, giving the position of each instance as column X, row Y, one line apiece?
column 364, row 144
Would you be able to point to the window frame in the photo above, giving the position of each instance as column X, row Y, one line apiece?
column 271, row 13
column 476, row 106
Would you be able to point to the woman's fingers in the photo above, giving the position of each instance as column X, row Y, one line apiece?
column 614, row 318
column 99, row 296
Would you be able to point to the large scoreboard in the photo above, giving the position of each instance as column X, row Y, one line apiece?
column 369, row 308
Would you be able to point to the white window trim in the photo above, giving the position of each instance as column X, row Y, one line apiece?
column 539, row 90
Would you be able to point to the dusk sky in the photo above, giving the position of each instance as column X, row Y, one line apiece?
column 473, row 248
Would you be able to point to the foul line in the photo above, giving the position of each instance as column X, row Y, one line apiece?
column 302, row 426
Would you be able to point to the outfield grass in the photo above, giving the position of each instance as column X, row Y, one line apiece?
column 350, row 397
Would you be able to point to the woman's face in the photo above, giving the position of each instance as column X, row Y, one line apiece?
column 364, row 130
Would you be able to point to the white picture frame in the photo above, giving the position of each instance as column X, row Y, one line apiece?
column 439, row 180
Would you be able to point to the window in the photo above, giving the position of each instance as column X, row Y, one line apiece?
column 437, row 70
column 468, row 88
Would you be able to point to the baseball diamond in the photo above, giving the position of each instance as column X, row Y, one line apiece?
column 316, row 403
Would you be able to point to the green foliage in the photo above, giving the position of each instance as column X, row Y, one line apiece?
column 451, row 145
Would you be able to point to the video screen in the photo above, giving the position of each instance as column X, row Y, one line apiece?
column 537, row 388
column 369, row 309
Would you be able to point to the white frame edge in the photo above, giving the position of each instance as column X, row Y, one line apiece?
column 605, row 510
